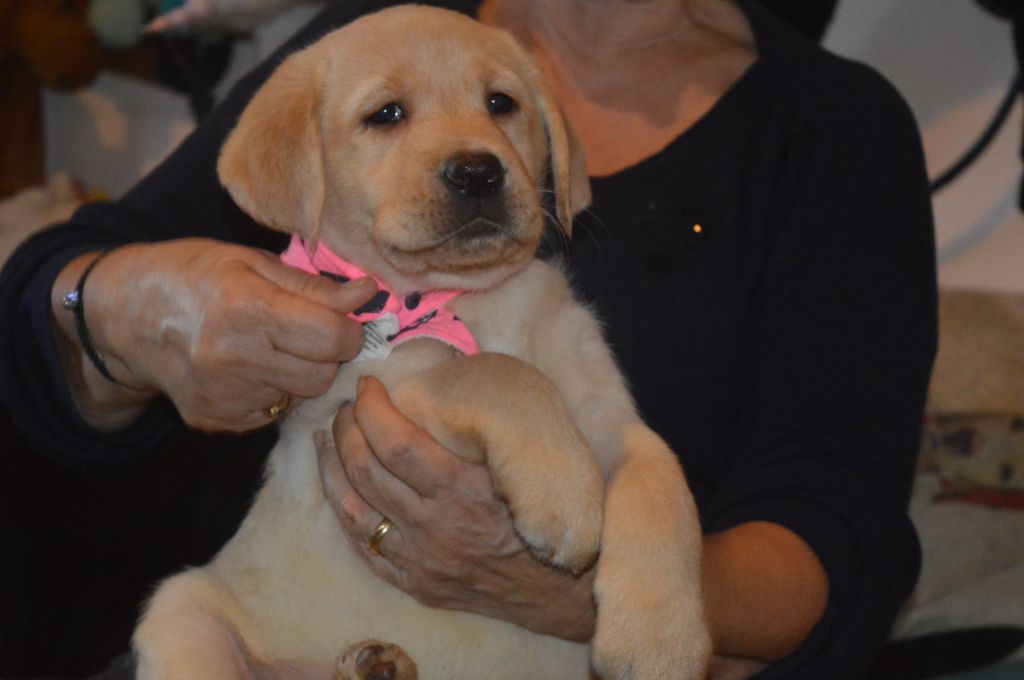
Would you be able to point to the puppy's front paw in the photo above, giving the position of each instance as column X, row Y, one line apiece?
column 648, row 631
column 372, row 660
column 558, row 510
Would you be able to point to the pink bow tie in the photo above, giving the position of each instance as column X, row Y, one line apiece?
column 387, row 316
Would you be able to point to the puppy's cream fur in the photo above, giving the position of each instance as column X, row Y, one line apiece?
column 544, row 400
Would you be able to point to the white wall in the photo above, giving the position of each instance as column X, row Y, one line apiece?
column 113, row 132
column 119, row 128
column 951, row 60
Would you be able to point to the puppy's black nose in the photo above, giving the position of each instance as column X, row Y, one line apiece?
column 474, row 174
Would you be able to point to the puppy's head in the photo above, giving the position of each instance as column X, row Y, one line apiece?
column 414, row 141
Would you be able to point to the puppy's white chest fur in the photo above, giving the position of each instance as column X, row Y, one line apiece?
column 307, row 595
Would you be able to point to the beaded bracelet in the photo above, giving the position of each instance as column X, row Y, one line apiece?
column 75, row 301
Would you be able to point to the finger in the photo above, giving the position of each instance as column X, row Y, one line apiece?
column 387, row 565
column 228, row 423
column 357, row 518
column 231, row 406
column 309, row 330
column 403, row 447
column 340, row 297
column 308, row 312
column 273, row 407
column 298, row 377
column 381, row 489
column 191, row 14
column 174, row 19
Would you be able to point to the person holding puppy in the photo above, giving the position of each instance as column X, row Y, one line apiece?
column 759, row 245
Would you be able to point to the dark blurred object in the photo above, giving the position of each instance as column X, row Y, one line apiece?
column 50, row 39
column 940, row 654
column 46, row 43
column 1012, row 10
column 986, row 137
column 78, row 552
column 42, row 43
column 1007, row 9
column 810, row 18
column 192, row 63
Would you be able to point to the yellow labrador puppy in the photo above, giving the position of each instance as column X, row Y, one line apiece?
column 418, row 142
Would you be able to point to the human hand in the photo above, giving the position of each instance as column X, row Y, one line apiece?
column 225, row 331
column 222, row 14
column 453, row 544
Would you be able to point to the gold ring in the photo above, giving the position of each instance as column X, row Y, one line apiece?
column 280, row 408
column 373, row 543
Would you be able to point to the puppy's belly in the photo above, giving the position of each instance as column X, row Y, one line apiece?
column 308, row 597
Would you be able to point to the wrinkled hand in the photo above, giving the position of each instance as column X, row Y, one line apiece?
column 454, row 544
column 225, row 331
column 195, row 14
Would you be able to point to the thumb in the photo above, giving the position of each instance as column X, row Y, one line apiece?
column 341, row 297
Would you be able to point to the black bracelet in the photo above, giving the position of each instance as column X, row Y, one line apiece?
column 75, row 301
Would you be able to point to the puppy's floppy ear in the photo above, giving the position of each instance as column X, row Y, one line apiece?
column 272, row 162
column 568, row 164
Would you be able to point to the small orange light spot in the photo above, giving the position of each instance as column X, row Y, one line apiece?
column 697, row 229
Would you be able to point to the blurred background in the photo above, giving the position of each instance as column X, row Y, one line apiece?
column 88, row 105
column 951, row 59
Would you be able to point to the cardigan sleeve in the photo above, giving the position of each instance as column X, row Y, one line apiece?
column 841, row 339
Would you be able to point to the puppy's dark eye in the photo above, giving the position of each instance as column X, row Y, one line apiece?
column 389, row 114
column 500, row 103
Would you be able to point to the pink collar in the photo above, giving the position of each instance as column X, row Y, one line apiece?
column 387, row 319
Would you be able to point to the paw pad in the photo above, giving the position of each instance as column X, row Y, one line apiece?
column 371, row 660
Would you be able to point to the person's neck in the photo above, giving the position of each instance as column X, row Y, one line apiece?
column 597, row 28
column 631, row 76
column 610, row 26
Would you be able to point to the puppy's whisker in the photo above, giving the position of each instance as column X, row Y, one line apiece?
column 561, row 246
column 588, row 226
